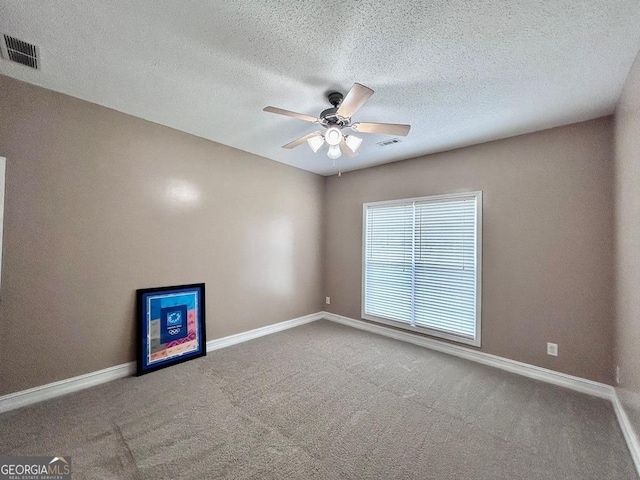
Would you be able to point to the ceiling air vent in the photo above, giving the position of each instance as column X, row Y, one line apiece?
column 19, row 51
column 386, row 143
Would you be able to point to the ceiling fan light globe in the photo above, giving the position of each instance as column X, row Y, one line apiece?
column 334, row 152
column 333, row 136
column 315, row 143
column 353, row 142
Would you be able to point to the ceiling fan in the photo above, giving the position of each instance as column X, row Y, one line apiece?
column 335, row 119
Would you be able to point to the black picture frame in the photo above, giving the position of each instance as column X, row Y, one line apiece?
column 171, row 326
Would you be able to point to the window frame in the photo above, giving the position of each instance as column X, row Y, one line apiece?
column 477, row 340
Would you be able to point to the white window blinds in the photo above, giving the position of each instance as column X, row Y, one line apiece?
column 421, row 264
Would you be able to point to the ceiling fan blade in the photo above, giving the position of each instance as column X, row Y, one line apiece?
column 301, row 140
column 386, row 128
column 344, row 148
column 289, row 113
column 354, row 100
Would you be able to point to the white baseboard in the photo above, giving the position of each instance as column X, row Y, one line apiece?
column 261, row 332
column 74, row 384
column 69, row 385
column 627, row 430
column 568, row 381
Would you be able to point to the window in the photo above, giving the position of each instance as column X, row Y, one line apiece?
column 422, row 265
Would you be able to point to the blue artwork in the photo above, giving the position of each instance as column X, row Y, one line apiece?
column 171, row 325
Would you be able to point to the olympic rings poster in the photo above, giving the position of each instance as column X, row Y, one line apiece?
column 171, row 326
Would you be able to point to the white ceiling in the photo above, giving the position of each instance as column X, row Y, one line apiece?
column 460, row 71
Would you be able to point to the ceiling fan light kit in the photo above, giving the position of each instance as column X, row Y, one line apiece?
column 333, row 136
column 337, row 118
column 315, row 142
column 353, row 142
column 334, row 152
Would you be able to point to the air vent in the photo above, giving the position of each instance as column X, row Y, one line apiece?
column 19, row 51
column 386, row 143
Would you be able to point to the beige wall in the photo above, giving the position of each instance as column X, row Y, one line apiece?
column 548, row 238
column 627, row 165
column 99, row 203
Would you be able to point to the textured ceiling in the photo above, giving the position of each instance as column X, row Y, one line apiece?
column 460, row 71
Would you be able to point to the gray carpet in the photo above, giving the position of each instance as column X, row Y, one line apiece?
column 324, row 401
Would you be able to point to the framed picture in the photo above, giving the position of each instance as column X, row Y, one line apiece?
column 171, row 326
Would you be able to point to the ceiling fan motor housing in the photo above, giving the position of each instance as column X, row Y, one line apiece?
column 335, row 98
column 330, row 117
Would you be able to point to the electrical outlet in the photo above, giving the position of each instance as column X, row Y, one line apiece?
column 552, row 349
column 327, row 300
column 617, row 374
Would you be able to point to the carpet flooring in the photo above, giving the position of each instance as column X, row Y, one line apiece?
column 323, row 401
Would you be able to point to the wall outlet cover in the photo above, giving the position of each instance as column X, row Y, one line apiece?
column 552, row 349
